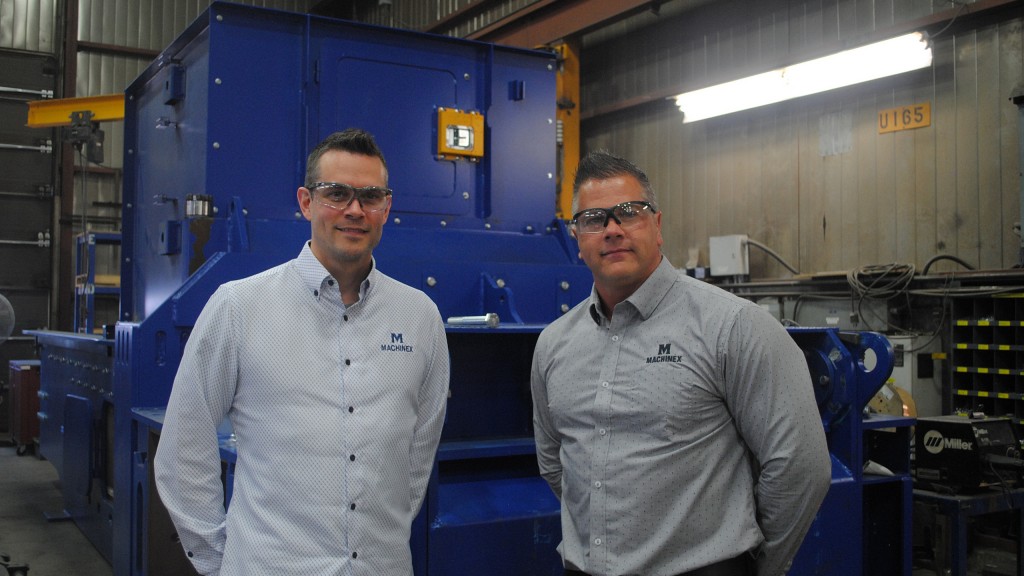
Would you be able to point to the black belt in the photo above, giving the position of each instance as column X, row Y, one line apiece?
column 742, row 565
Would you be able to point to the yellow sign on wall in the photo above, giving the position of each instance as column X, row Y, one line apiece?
column 905, row 118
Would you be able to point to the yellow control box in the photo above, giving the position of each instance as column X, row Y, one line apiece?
column 460, row 134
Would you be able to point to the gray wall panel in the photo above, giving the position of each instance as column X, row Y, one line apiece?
column 28, row 25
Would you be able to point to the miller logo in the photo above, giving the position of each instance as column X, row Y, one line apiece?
column 664, row 355
column 934, row 442
column 396, row 344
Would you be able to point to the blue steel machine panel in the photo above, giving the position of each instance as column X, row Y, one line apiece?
column 237, row 133
column 76, row 420
column 393, row 88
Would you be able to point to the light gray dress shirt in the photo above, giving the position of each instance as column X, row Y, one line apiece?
column 337, row 412
column 680, row 432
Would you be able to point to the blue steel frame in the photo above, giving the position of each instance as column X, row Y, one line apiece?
column 86, row 289
column 863, row 526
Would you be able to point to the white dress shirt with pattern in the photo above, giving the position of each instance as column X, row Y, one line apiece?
column 337, row 411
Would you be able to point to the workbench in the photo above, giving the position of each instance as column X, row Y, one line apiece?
column 960, row 508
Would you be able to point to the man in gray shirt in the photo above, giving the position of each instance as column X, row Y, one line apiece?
column 675, row 421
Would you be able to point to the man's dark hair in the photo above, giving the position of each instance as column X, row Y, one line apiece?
column 602, row 165
column 352, row 140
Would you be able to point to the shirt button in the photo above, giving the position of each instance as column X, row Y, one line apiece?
column 352, row 457
column 355, row 554
column 597, row 541
column 352, row 506
column 351, row 409
column 602, row 431
column 331, row 282
column 615, row 338
column 190, row 554
column 597, row 484
column 604, row 384
column 345, row 317
column 348, row 362
column 316, row 293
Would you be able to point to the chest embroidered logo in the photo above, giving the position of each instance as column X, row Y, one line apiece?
column 664, row 355
column 396, row 344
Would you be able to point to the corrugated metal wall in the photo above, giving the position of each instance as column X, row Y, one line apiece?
column 28, row 25
column 776, row 173
column 420, row 14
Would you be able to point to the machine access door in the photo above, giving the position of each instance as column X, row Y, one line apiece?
column 394, row 90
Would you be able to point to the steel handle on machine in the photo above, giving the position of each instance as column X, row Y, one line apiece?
column 490, row 320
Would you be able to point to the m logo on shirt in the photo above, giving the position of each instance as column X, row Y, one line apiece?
column 664, row 355
column 396, row 344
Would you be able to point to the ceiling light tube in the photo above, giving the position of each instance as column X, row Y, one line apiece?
column 886, row 58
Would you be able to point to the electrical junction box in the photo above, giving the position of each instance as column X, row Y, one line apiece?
column 729, row 255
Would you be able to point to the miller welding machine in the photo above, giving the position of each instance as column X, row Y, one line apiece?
column 962, row 453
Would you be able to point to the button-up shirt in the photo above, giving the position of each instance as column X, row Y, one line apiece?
column 337, row 411
column 680, row 432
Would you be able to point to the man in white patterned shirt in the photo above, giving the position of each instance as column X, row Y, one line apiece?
column 675, row 421
column 334, row 378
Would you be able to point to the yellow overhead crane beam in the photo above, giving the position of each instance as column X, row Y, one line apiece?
column 51, row 113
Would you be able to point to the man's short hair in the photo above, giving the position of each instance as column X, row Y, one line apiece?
column 354, row 140
column 601, row 165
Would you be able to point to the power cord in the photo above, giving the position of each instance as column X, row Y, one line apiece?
column 773, row 254
column 937, row 257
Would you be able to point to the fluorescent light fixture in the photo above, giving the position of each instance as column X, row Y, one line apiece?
column 846, row 68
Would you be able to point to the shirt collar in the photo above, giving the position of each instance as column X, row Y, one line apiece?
column 647, row 297
column 317, row 280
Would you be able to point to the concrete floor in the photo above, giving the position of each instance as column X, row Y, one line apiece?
column 29, row 489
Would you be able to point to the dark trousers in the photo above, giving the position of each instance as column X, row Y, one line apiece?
column 742, row 565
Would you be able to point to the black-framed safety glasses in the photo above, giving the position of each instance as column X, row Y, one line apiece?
column 626, row 215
